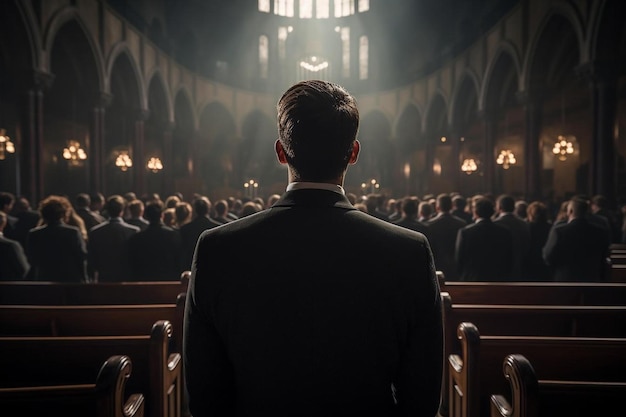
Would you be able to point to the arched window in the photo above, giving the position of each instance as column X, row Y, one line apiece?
column 364, row 5
column 345, row 51
column 344, row 8
column 283, row 31
column 306, row 9
column 284, row 7
column 264, row 6
column 322, row 9
column 363, row 58
column 263, row 56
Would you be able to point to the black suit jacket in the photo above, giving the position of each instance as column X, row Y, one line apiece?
column 577, row 251
column 108, row 251
column 155, row 254
column 57, row 252
column 442, row 232
column 484, row 252
column 190, row 233
column 312, row 308
column 13, row 263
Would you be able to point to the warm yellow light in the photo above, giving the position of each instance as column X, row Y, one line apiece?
column 469, row 166
column 123, row 161
column 155, row 164
column 506, row 158
column 6, row 146
column 73, row 153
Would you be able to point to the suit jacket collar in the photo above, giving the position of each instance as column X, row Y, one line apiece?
column 314, row 198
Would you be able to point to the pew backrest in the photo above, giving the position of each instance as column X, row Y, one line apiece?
column 49, row 360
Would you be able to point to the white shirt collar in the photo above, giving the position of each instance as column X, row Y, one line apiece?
column 316, row 186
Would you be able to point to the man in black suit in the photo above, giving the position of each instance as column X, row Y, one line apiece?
column 27, row 219
column 154, row 253
column 190, row 232
column 312, row 307
column 90, row 217
column 484, row 249
column 442, row 232
column 107, row 246
column 520, row 233
column 577, row 249
column 13, row 263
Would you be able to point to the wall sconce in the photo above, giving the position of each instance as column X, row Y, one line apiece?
column 123, row 161
column 73, row 153
column 6, row 146
column 250, row 188
column 154, row 164
column 506, row 159
column 563, row 147
column 373, row 186
column 469, row 166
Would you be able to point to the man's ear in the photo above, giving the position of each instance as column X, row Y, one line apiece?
column 354, row 155
column 280, row 152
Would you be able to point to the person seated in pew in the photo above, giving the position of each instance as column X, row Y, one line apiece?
column 107, row 247
column 578, row 249
column 484, row 249
column 13, row 263
column 341, row 311
column 56, row 250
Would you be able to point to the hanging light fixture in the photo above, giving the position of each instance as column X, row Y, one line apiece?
column 154, row 164
column 123, row 161
column 469, row 166
column 506, row 158
column 564, row 144
column 6, row 146
column 73, row 153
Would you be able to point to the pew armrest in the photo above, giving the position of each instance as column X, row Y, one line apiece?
column 173, row 361
column 500, row 407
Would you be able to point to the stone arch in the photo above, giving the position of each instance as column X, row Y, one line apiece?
column 157, row 76
column 69, row 105
column 183, row 135
column 502, row 70
column 121, row 48
column 408, row 138
column 436, row 117
column 465, row 100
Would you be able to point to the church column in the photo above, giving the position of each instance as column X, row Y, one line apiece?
column 97, row 147
column 533, row 108
column 139, row 158
column 603, row 87
column 32, row 144
column 168, row 157
column 489, row 140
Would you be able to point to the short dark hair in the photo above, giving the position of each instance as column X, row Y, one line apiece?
column 318, row 123
column 115, row 205
column 6, row 199
column 444, row 201
column 153, row 211
column 82, row 200
column 579, row 206
column 201, row 206
column 410, row 206
column 506, row 203
column 483, row 207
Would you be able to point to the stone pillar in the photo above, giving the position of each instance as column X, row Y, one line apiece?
column 97, row 148
column 139, row 158
column 168, row 157
column 602, row 80
column 488, row 163
column 533, row 108
column 31, row 149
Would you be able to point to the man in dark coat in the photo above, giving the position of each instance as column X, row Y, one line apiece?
column 312, row 307
column 190, row 232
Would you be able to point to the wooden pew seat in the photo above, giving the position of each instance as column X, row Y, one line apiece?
column 532, row 397
column 56, row 360
column 475, row 373
column 104, row 398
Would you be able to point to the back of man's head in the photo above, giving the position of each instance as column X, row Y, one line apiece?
column 82, row 200
column 578, row 207
column 6, row 201
column 483, row 208
column 410, row 206
column 154, row 211
column 136, row 208
column 444, row 203
column 317, row 126
column 201, row 206
column 506, row 203
column 115, row 205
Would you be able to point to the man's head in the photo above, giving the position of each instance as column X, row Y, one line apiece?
column 318, row 123
column 136, row 207
column 115, row 205
column 6, row 202
column 505, row 204
column 53, row 209
column 483, row 208
column 577, row 207
column 82, row 200
column 444, row 203
column 154, row 211
column 201, row 206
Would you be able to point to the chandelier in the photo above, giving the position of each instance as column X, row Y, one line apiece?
column 154, row 164
column 506, row 158
column 469, row 166
column 123, row 161
column 73, row 153
column 372, row 184
column 6, row 146
column 250, row 188
column 563, row 147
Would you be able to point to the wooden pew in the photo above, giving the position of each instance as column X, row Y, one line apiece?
column 618, row 273
column 104, row 398
column 53, row 360
column 532, row 397
column 548, row 293
column 64, row 293
column 91, row 320
column 475, row 373
column 527, row 320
